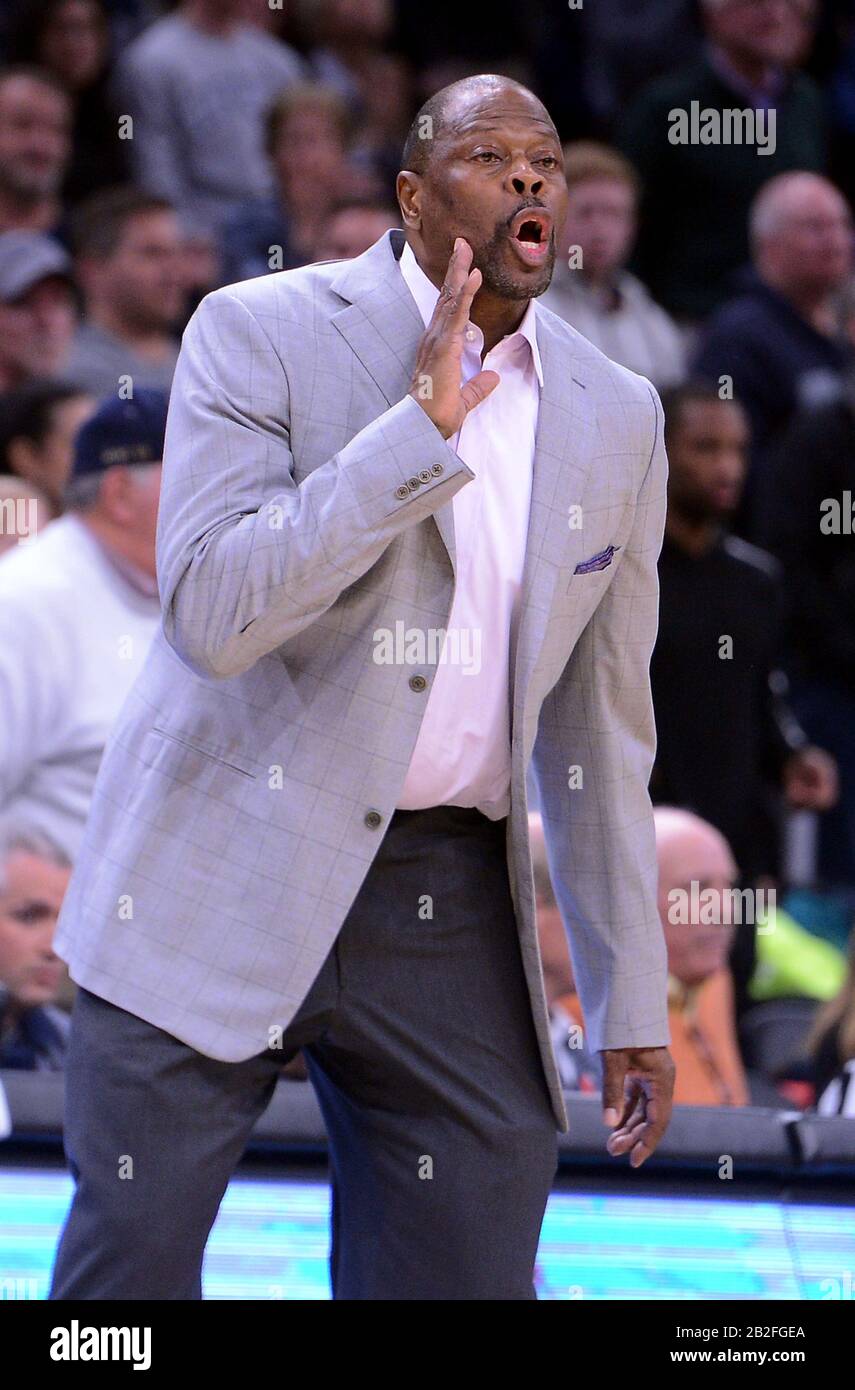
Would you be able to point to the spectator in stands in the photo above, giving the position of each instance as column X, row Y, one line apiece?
column 701, row 1015
column 35, row 148
column 37, row 309
column 71, row 40
column 24, row 511
column 353, row 226
column 697, row 191
column 779, row 342
column 198, row 83
column 78, row 610
column 578, row 1068
column 480, row 36
column 34, row 875
column 129, row 265
column 807, row 520
column 385, row 112
column 728, row 742
column 701, row 1012
column 591, row 289
column 628, row 43
column 344, row 37
column 307, row 129
column 200, row 264
column 38, row 424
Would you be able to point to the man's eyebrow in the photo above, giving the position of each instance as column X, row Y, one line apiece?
column 29, row 907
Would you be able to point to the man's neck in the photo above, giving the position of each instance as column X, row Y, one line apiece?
column 816, row 307
column 119, row 546
column 754, row 72
column 495, row 316
column 151, row 343
column 695, row 538
column 602, row 285
column 20, row 214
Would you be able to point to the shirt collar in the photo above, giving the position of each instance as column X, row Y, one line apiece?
column 425, row 293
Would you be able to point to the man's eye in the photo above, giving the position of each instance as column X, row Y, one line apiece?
column 550, row 160
column 486, row 154
column 28, row 916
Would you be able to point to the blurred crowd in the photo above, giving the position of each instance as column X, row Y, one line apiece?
column 151, row 152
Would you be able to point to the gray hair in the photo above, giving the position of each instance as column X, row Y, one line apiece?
column 16, row 838
column 81, row 493
column 770, row 208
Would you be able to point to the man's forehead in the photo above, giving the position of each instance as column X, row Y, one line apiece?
column 494, row 111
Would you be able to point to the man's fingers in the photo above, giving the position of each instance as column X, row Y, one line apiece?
column 614, row 1075
column 456, row 277
column 641, row 1135
column 657, row 1122
column 622, row 1139
column 478, row 388
column 633, row 1098
column 459, row 315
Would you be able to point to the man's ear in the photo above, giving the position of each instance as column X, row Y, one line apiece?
column 409, row 190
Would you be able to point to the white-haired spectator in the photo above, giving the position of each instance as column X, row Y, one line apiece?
column 34, row 875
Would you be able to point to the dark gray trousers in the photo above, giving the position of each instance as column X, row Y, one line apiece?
column 419, row 1040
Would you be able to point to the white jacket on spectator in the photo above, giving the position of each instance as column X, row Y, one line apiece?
column 74, row 632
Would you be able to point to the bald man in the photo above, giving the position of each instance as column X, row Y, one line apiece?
column 407, row 548
column 696, row 867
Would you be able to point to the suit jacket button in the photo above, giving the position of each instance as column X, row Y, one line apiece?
column 413, row 484
column 418, row 683
column 373, row 819
column 402, row 492
column 425, row 475
column 436, row 469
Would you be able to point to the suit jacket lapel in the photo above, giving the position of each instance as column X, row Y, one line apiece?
column 383, row 327
column 562, row 461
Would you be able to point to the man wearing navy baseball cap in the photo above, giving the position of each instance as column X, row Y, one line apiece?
column 78, row 610
column 38, row 316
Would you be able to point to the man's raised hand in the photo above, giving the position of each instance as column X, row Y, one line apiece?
column 436, row 377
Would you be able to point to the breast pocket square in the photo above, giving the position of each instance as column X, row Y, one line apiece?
column 597, row 562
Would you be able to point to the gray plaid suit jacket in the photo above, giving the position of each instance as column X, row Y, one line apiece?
column 246, row 785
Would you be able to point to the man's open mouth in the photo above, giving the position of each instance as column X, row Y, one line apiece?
column 530, row 234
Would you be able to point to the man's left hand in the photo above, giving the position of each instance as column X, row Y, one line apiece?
column 638, row 1090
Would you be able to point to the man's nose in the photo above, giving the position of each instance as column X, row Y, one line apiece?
column 525, row 182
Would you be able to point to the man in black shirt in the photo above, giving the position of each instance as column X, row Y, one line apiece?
column 808, row 522
column 728, row 743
